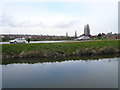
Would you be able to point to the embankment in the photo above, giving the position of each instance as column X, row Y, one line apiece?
column 58, row 50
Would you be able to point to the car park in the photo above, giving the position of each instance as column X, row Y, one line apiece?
column 18, row 40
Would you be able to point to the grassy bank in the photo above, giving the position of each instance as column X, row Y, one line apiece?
column 57, row 50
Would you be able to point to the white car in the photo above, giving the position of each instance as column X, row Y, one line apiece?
column 83, row 38
column 18, row 40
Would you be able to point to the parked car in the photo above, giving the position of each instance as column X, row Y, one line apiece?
column 18, row 40
column 83, row 38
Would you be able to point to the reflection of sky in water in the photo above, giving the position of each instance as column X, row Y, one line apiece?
column 91, row 74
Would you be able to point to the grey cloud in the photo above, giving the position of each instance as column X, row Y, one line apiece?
column 9, row 21
column 30, row 24
column 66, row 24
column 6, row 21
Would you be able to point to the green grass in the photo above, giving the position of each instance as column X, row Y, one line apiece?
column 63, row 48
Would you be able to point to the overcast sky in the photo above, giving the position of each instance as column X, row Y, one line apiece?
column 58, row 17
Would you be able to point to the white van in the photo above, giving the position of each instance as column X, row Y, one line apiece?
column 83, row 38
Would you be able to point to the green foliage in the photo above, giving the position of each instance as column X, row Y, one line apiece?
column 61, row 48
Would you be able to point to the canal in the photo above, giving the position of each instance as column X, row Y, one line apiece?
column 100, row 73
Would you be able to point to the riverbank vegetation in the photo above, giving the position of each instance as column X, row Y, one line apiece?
column 61, row 59
column 58, row 50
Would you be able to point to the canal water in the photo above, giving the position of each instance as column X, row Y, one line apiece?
column 101, row 73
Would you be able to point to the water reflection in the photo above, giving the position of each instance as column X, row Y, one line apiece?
column 101, row 73
column 42, row 60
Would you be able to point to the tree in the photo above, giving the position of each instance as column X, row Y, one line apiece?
column 87, row 30
column 75, row 33
column 99, row 35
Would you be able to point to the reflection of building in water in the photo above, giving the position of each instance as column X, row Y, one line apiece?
column 87, row 30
